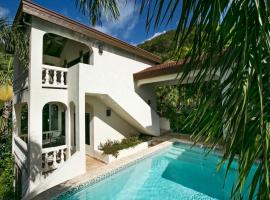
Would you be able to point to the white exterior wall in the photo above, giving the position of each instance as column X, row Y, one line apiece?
column 107, row 127
column 110, row 78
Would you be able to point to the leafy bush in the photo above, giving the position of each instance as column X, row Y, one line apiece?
column 6, row 168
column 113, row 147
column 6, row 179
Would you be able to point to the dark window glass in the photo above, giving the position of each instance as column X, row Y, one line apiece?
column 87, row 128
column 24, row 120
column 63, row 124
column 74, row 131
column 54, row 117
column 46, row 118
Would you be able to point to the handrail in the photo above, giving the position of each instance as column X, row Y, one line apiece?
column 46, row 132
column 55, row 68
column 49, row 149
column 20, row 142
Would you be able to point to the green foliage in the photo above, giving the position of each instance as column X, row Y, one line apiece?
column 177, row 102
column 6, row 65
column 6, row 168
column 164, row 46
column 12, row 40
column 6, row 180
column 113, row 147
column 95, row 9
column 231, row 38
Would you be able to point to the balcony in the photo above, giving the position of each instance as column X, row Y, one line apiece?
column 53, row 157
column 54, row 77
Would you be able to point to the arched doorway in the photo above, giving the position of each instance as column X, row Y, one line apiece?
column 53, row 124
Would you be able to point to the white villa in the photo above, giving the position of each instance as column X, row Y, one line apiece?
column 82, row 88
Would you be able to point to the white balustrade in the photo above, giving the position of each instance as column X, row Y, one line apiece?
column 54, row 77
column 50, row 136
column 53, row 157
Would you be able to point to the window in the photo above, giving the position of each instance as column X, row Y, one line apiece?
column 50, row 117
column 54, row 117
column 24, row 120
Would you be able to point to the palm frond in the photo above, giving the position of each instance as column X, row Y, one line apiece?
column 231, row 40
column 96, row 9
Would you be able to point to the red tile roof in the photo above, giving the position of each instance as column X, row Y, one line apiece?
column 159, row 70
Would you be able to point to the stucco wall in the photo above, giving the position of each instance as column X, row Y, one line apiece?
column 111, row 74
column 107, row 127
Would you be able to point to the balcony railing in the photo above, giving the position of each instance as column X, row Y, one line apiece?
column 54, row 77
column 53, row 157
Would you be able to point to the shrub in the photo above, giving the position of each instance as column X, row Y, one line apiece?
column 6, row 168
column 113, row 147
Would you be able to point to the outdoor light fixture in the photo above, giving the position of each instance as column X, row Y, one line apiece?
column 100, row 48
column 108, row 112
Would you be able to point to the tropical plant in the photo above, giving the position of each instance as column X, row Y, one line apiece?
column 113, row 147
column 231, row 40
column 12, row 40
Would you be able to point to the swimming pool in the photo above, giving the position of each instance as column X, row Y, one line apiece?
column 178, row 172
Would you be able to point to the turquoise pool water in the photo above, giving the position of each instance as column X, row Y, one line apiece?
column 179, row 172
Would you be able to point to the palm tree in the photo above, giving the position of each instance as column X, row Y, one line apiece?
column 12, row 41
column 232, row 39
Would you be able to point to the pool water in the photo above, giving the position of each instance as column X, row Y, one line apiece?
column 179, row 172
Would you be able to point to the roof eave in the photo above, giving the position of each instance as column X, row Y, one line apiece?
column 53, row 17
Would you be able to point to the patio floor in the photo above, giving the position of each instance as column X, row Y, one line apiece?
column 92, row 164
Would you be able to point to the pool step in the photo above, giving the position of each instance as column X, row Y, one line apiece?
column 193, row 153
column 192, row 158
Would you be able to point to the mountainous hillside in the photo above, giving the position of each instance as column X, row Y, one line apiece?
column 163, row 46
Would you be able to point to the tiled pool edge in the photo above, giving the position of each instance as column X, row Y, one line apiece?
column 163, row 146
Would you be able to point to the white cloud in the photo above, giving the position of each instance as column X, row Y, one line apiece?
column 150, row 38
column 4, row 12
column 125, row 23
column 155, row 35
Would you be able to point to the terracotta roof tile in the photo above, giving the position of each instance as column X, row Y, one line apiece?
column 158, row 70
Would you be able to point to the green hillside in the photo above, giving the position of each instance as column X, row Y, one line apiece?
column 163, row 46
column 175, row 101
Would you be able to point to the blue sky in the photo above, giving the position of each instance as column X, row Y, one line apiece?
column 130, row 27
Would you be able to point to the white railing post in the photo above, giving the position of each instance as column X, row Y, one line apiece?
column 55, row 77
column 54, row 158
column 47, row 77
column 46, row 167
column 62, row 156
column 62, row 78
